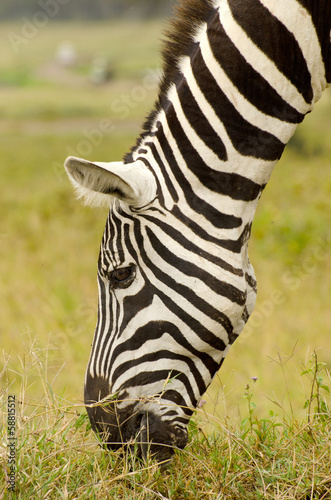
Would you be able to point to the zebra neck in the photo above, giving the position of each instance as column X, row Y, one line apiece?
column 234, row 101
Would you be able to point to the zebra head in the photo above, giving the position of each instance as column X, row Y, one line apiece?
column 168, row 308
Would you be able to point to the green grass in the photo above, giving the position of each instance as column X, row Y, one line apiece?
column 49, row 246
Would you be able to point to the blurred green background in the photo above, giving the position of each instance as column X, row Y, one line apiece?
column 84, row 87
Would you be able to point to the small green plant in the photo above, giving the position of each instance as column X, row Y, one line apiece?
column 251, row 405
column 314, row 373
column 259, row 430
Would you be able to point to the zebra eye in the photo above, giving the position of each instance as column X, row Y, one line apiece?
column 121, row 274
column 122, row 277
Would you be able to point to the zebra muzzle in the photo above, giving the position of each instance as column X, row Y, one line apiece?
column 158, row 439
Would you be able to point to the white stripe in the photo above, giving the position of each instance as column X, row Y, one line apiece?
column 260, row 62
column 223, row 202
column 298, row 21
column 213, row 249
column 112, row 230
column 201, row 291
column 152, row 366
column 165, row 343
column 97, row 358
column 93, row 353
column 206, row 108
column 168, row 200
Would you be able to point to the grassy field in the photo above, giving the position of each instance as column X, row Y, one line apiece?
column 261, row 458
column 48, row 254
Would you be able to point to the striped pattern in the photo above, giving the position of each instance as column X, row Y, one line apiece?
column 239, row 77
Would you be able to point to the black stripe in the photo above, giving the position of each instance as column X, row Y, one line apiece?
column 144, row 298
column 182, row 420
column 245, row 137
column 100, row 331
column 167, row 180
column 177, row 399
column 233, row 185
column 198, row 120
column 112, row 254
column 178, row 236
column 200, row 206
column 251, row 281
column 234, row 246
column 107, row 261
column 170, row 413
column 164, row 171
column 249, row 82
column 273, row 38
column 105, row 238
column 221, row 288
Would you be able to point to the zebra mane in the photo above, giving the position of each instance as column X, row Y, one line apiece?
column 178, row 37
column 188, row 16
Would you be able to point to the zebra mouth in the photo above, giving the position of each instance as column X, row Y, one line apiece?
column 134, row 425
column 146, row 432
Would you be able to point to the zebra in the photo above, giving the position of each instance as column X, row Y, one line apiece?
column 175, row 283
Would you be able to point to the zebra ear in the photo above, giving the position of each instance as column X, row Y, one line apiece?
column 97, row 183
